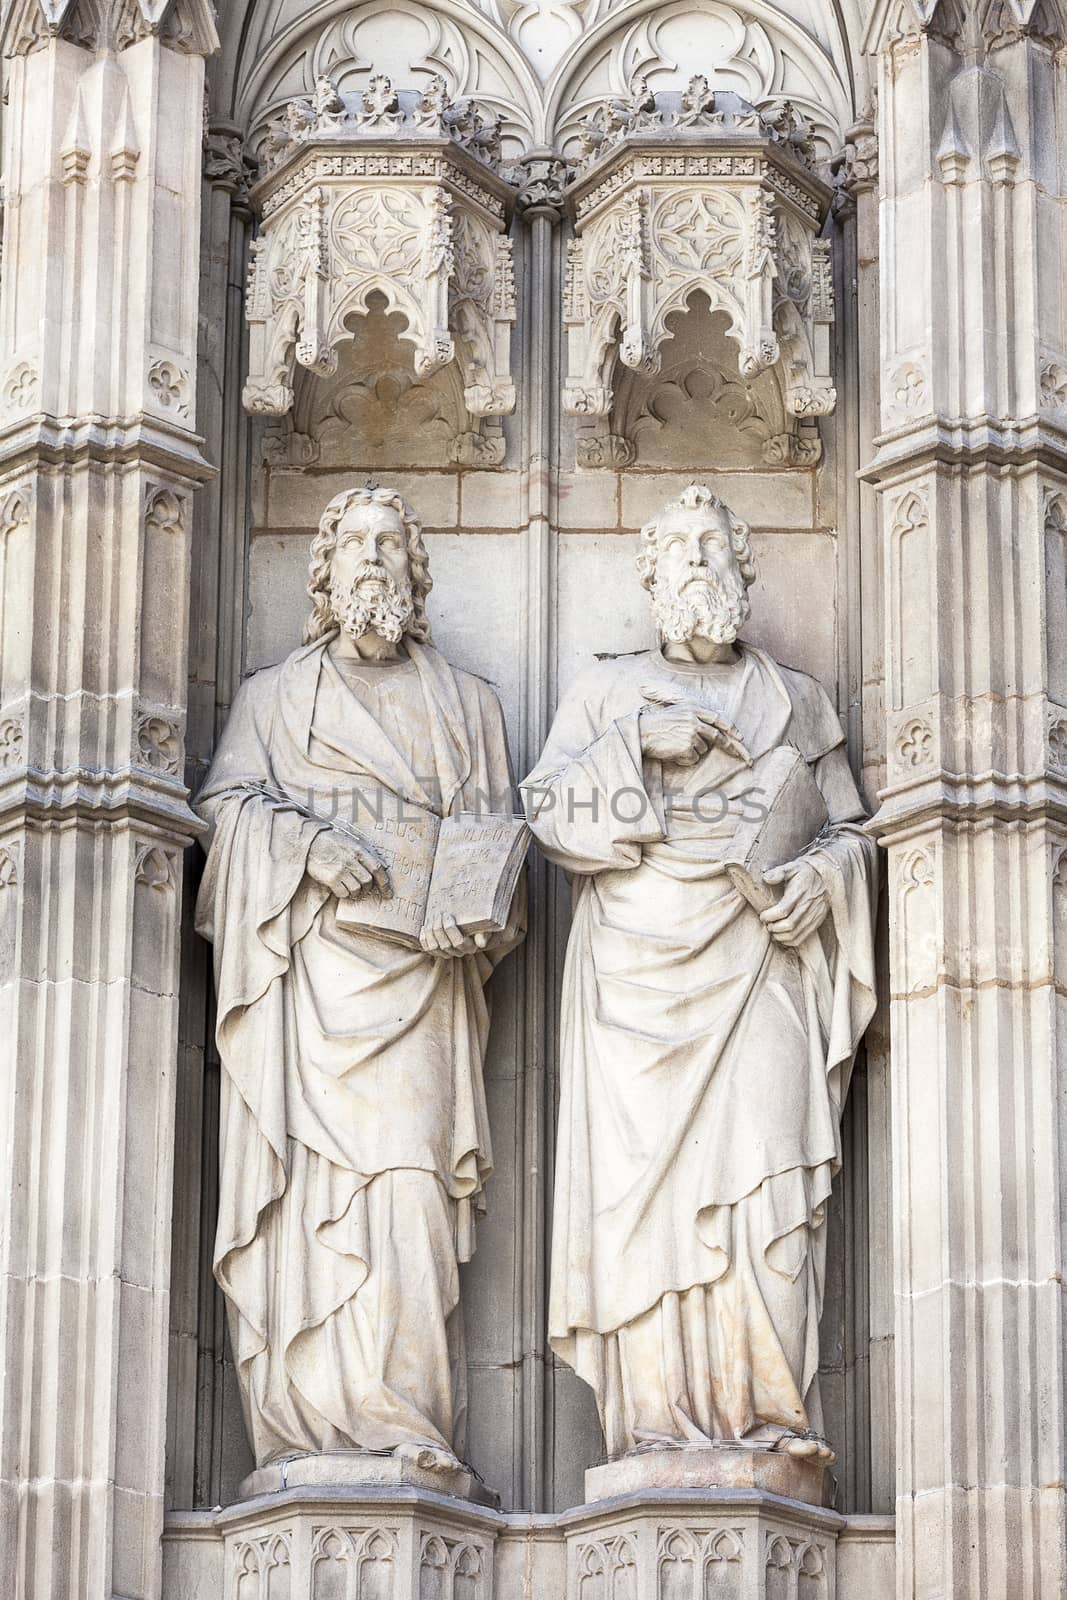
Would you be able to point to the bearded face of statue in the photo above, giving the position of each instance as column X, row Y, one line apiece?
column 698, row 590
column 370, row 575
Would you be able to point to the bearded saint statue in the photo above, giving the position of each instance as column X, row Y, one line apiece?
column 354, row 1142
column 706, row 1046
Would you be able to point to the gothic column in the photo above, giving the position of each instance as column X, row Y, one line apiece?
column 540, row 203
column 971, row 470
column 98, row 462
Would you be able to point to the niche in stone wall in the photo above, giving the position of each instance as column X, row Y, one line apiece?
column 376, row 412
column 698, row 413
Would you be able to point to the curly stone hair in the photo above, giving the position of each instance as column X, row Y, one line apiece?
column 697, row 497
column 322, row 620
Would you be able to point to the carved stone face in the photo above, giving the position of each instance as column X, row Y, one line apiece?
column 370, row 574
column 698, row 590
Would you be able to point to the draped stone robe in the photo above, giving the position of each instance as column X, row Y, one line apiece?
column 704, row 1066
column 354, row 1140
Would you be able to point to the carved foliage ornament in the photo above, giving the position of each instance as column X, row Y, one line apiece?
column 159, row 744
column 11, row 742
column 735, row 216
column 380, row 111
column 20, row 388
column 226, row 164
column 414, row 227
column 156, row 869
column 855, row 166
column 697, row 109
column 1053, row 384
column 170, row 387
column 541, row 180
column 1057, row 743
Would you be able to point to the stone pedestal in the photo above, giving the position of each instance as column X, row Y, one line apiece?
column 719, row 1466
column 394, row 1541
column 718, row 1544
column 361, row 1469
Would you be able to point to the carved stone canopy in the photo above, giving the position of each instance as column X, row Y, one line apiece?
column 387, row 192
column 698, row 191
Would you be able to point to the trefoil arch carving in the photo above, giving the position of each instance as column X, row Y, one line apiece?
column 698, row 191
column 397, row 194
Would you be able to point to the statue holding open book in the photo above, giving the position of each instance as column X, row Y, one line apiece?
column 719, row 976
column 363, row 879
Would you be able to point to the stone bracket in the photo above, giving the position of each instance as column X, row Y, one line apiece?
column 378, row 194
column 714, row 199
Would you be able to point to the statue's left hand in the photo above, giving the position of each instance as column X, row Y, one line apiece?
column 445, row 937
column 803, row 906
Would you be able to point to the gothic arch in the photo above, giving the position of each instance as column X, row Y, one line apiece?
column 265, row 63
column 634, row 39
column 544, row 54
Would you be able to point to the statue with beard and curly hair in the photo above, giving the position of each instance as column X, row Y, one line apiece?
column 706, row 1045
column 354, row 1142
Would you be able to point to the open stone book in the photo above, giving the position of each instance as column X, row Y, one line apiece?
column 465, row 866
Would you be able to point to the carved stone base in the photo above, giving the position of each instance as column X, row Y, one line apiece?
column 715, row 1544
column 717, row 1466
column 359, row 1469
column 397, row 1542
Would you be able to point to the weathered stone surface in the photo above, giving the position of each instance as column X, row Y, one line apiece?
column 352, row 1159
column 689, row 1235
column 926, row 596
column 357, row 1470
column 719, row 1466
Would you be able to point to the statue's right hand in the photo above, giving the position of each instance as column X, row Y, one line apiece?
column 682, row 734
column 345, row 867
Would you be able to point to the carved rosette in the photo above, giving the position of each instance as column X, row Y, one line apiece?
column 382, row 193
column 714, row 196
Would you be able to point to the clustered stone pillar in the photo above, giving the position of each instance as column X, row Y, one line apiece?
column 971, row 467
column 98, row 461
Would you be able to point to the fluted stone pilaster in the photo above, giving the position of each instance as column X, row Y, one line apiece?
column 99, row 459
column 971, row 468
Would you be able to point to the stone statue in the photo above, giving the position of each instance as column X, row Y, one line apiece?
column 354, row 1142
column 706, row 1045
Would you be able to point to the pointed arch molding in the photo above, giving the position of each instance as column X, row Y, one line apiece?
column 396, row 194
column 709, row 197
